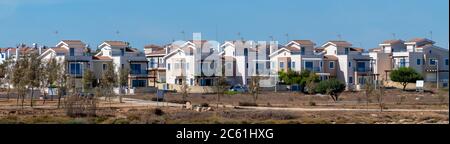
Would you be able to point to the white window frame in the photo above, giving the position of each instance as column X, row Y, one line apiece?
column 334, row 64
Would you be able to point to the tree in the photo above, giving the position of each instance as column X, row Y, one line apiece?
column 311, row 83
column 6, row 74
column 380, row 95
column 62, row 79
column 184, row 89
column 221, row 86
column 368, row 90
column 404, row 76
column 332, row 87
column 19, row 72
column 123, row 81
column 33, row 74
column 254, row 87
column 109, row 80
column 291, row 77
column 88, row 78
column 51, row 71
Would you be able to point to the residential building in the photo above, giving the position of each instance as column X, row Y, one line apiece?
column 353, row 67
column 123, row 56
column 156, row 65
column 420, row 53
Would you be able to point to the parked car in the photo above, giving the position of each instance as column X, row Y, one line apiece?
column 238, row 88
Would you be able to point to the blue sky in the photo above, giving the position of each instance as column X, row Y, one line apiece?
column 363, row 22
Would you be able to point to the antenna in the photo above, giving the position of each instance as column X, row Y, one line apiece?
column 431, row 35
column 184, row 35
column 339, row 36
column 272, row 38
column 287, row 37
column 394, row 36
column 239, row 36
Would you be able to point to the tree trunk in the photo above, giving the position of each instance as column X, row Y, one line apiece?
column 59, row 99
column 7, row 92
column 31, row 97
column 23, row 100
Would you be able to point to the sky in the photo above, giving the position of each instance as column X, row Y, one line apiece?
column 365, row 23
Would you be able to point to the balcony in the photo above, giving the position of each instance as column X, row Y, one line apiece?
column 138, row 73
column 362, row 70
column 313, row 69
column 79, row 58
column 401, row 64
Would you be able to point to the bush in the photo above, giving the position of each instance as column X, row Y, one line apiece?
column 158, row 112
column 204, row 105
column 405, row 75
column 231, row 92
column 332, row 87
column 247, row 104
column 157, row 100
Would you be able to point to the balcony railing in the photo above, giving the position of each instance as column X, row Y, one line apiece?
column 139, row 73
column 79, row 58
column 313, row 69
column 362, row 70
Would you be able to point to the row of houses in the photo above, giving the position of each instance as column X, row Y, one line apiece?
column 175, row 63
column 200, row 62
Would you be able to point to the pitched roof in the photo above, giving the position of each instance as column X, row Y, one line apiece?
column 152, row 46
column 304, row 42
column 341, row 43
column 392, row 41
column 117, row 43
column 331, row 58
column 101, row 58
column 357, row 49
column 419, row 40
column 73, row 42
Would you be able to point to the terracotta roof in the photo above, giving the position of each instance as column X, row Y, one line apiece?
column 152, row 46
column 319, row 49
column 375, row 50
column 60, row 50
column 341, row 43
column 293, row 49
column 117, row 43
column 357, row 49
column 101, row 58
column 331, row 58
column 157, row 52
column 304, row 42
column 418, row 40
column 392, row 41
column 73, row 42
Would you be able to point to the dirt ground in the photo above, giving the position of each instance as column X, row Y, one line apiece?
column 393, row 99
column 115, row 113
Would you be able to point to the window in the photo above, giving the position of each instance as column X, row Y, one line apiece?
column 246, row 65
column 347, row 50
column 350, row 80
column 75, row 68
column 2, row 55
column 302, row 51
column 321, row 64
column 245, row 52
column 293, row 65
column 135, row 69
column 349, row 64
column 139, row 83
column 122, row 52
column 309, row 66
column 361, row 67
column 402, row 62
column 104, row 67
column 446, row 62
column 432, row 62
column 419, row 61
column 72, row 52
column 281, row 64
column 123, row 66
column 168, row 66
column 331, row 65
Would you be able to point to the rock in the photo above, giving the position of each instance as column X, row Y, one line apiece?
column 209, row 109
column 374, row 115
column 188, row 105
column 198, row 109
